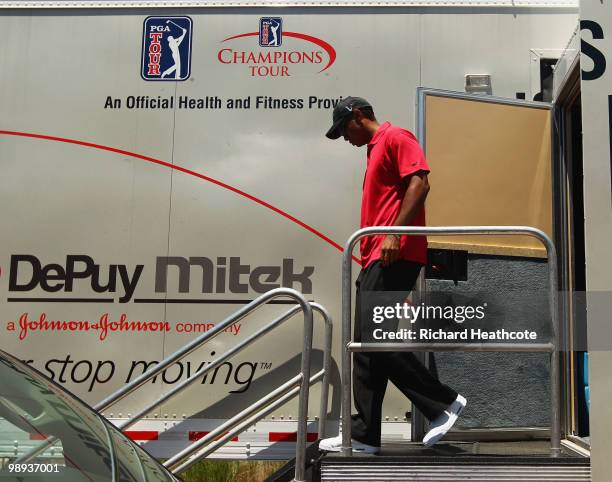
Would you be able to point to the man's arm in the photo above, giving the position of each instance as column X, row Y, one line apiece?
column 414, row 199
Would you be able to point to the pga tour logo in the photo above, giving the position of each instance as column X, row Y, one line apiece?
column 270, row 32
column 166, row 48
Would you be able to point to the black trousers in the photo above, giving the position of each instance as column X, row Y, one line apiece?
column 372, row 370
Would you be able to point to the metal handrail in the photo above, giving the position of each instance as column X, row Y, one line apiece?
column 244, row 425
column 229, row 425
column 262, row 408
column 228, row 354
column 300, row 467
column 239, row 427
column 203, row 371
column 210, row 334
column 349, row 346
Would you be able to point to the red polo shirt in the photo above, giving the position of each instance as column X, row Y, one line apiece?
column 393, row 154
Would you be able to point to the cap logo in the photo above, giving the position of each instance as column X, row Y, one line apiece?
column 349, row 108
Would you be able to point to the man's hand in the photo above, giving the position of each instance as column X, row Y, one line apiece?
column 389, row 252
column 417, row 188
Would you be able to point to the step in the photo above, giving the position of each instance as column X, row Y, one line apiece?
column 448, row 468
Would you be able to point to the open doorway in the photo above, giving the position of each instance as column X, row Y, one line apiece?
column 571, row 248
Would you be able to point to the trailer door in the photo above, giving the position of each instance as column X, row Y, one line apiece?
column 491, row 164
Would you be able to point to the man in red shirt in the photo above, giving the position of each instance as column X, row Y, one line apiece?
column 394, row 190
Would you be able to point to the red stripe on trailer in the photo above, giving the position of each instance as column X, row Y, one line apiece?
column 193, row 436
column 186, row 171
column 290, row 436
column 142, row 434
column 38, row 436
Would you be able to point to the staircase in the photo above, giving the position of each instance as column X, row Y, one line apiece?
column 485, row 468
column 450, row 461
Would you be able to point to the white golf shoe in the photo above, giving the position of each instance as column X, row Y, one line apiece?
column 334, row 444
column 444, row 422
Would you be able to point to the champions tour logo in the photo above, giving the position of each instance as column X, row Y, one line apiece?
column 166, row 48
column 303, row 50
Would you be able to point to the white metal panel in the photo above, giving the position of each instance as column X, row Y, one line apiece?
column 68, row 199
column 60, row 198
column 566, row 62
column 315, row 180
column 596, row 98
column 291, row 3
column 494, row 44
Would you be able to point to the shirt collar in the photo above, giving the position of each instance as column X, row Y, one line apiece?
column 379, row 133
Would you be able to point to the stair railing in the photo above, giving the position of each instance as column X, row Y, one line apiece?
column 300, row 384
column 350, row 346
column 237, row 424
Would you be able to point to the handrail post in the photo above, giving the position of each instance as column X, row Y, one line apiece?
column 555, row 381
column 326, row 368
column 302, row 429
column 347, row 382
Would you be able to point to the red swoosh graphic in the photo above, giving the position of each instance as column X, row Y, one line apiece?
column 186, row 171
column 317, row 41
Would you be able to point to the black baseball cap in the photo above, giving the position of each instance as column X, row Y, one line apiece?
column 342, row 111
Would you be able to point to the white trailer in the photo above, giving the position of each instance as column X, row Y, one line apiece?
column 165, row 162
